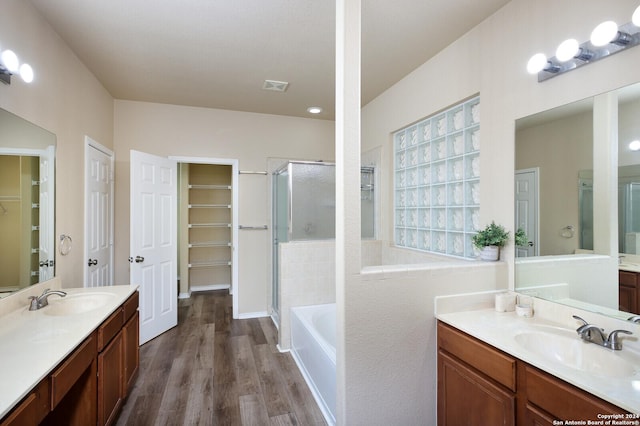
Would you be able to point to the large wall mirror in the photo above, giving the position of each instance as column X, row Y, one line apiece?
column 566, row 197
column 27, row 203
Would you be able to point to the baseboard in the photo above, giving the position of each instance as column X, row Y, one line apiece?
column 194, row 289
column 250, row 315
column 184, row 295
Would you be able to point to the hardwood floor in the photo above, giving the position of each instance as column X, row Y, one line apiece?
column 213, row 370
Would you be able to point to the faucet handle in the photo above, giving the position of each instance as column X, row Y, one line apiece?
column 580, row 319
column 634, row 318
column 33, row 305
column 613, row 342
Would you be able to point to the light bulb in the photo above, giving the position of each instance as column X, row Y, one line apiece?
column 634, row 145
column 567, row 50
column 10, row 60
column 314, row 110
column 536, row 63
column 636, row 17
column 604, row 33
column 26, row 72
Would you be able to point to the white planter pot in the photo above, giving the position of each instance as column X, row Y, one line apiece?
column 490, row 253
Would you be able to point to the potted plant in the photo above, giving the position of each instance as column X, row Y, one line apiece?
column 489, row 240
column 520, row 238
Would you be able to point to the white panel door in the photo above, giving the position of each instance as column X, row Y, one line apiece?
column 47, row 214
column 98, row 215
column 526, row 196
column 153, row 242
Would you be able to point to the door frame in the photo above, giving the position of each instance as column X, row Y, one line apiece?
column 92, row 144
column 536, row 219
column 234, row 289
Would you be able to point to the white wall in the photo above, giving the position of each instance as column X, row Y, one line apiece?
column 66, row 99
column 171, row 130
column 390, row 370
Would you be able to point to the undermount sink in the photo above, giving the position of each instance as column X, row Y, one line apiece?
column 566, row 348
column 77, row 303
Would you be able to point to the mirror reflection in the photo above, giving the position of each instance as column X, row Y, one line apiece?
column 27, row 187
column 554, row 204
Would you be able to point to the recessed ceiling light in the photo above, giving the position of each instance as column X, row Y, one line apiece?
column 314, row 110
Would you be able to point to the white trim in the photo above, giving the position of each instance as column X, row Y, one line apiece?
column 235, row 288
column 32, row 152
column 90, row 143
column 184, row 295
column 208, row 287
column 250, row 315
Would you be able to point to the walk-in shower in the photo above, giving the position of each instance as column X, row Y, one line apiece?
column 304, row 207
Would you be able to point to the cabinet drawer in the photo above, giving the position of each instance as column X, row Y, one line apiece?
column 562, row 400
column 70, row 371
column 490, row 361
column 130, row 306
column 32, row 409
column 627, row 278
column 109, row 328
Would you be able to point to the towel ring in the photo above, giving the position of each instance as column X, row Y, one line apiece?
column 568, row 232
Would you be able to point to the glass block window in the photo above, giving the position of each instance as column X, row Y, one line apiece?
column 437, row 182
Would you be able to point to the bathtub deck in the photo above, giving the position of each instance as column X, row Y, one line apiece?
column 213, row 370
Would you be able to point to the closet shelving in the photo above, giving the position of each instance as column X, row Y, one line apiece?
column 209, row 225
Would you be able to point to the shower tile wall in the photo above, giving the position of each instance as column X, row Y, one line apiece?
column 437, row 182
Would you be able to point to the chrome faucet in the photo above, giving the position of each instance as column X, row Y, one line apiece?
column 594, row 334
column 635, row 318
column 41, row 301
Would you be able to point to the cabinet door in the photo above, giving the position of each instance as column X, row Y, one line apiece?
column 628, row 297
column 130, row 334
column 537, row 417
column 467, row 398
column 628, row 292
column 110, row 379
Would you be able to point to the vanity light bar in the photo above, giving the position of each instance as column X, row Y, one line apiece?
column 628, row 36
column 10, row 65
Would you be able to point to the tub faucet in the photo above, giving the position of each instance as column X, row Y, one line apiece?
column 41, row 301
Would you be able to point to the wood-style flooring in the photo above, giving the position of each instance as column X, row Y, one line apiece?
column 214, row 370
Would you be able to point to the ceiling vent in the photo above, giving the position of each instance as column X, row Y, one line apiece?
column 275, row 86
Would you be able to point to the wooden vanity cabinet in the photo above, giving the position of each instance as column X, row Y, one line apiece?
column 547, row 397
column 32, row 409
column 476, row 383
column 90, row 385
column 479, row 384
column 628, row 300
column 117, row 359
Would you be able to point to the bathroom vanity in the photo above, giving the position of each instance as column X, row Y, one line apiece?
column 499, row 368
column 72, row 362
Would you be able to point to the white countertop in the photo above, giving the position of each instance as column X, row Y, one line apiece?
column 498, row 330
column 33, row 343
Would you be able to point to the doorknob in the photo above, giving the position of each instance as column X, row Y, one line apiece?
column 530, row 243
column 93, row 262
column 46, row 263
column 139, row 259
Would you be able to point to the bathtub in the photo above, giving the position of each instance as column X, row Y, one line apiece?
column 313, row 347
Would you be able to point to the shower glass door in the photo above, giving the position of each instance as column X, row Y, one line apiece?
column 280, row 228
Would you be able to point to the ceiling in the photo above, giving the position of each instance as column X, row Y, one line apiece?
column 217, row 53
